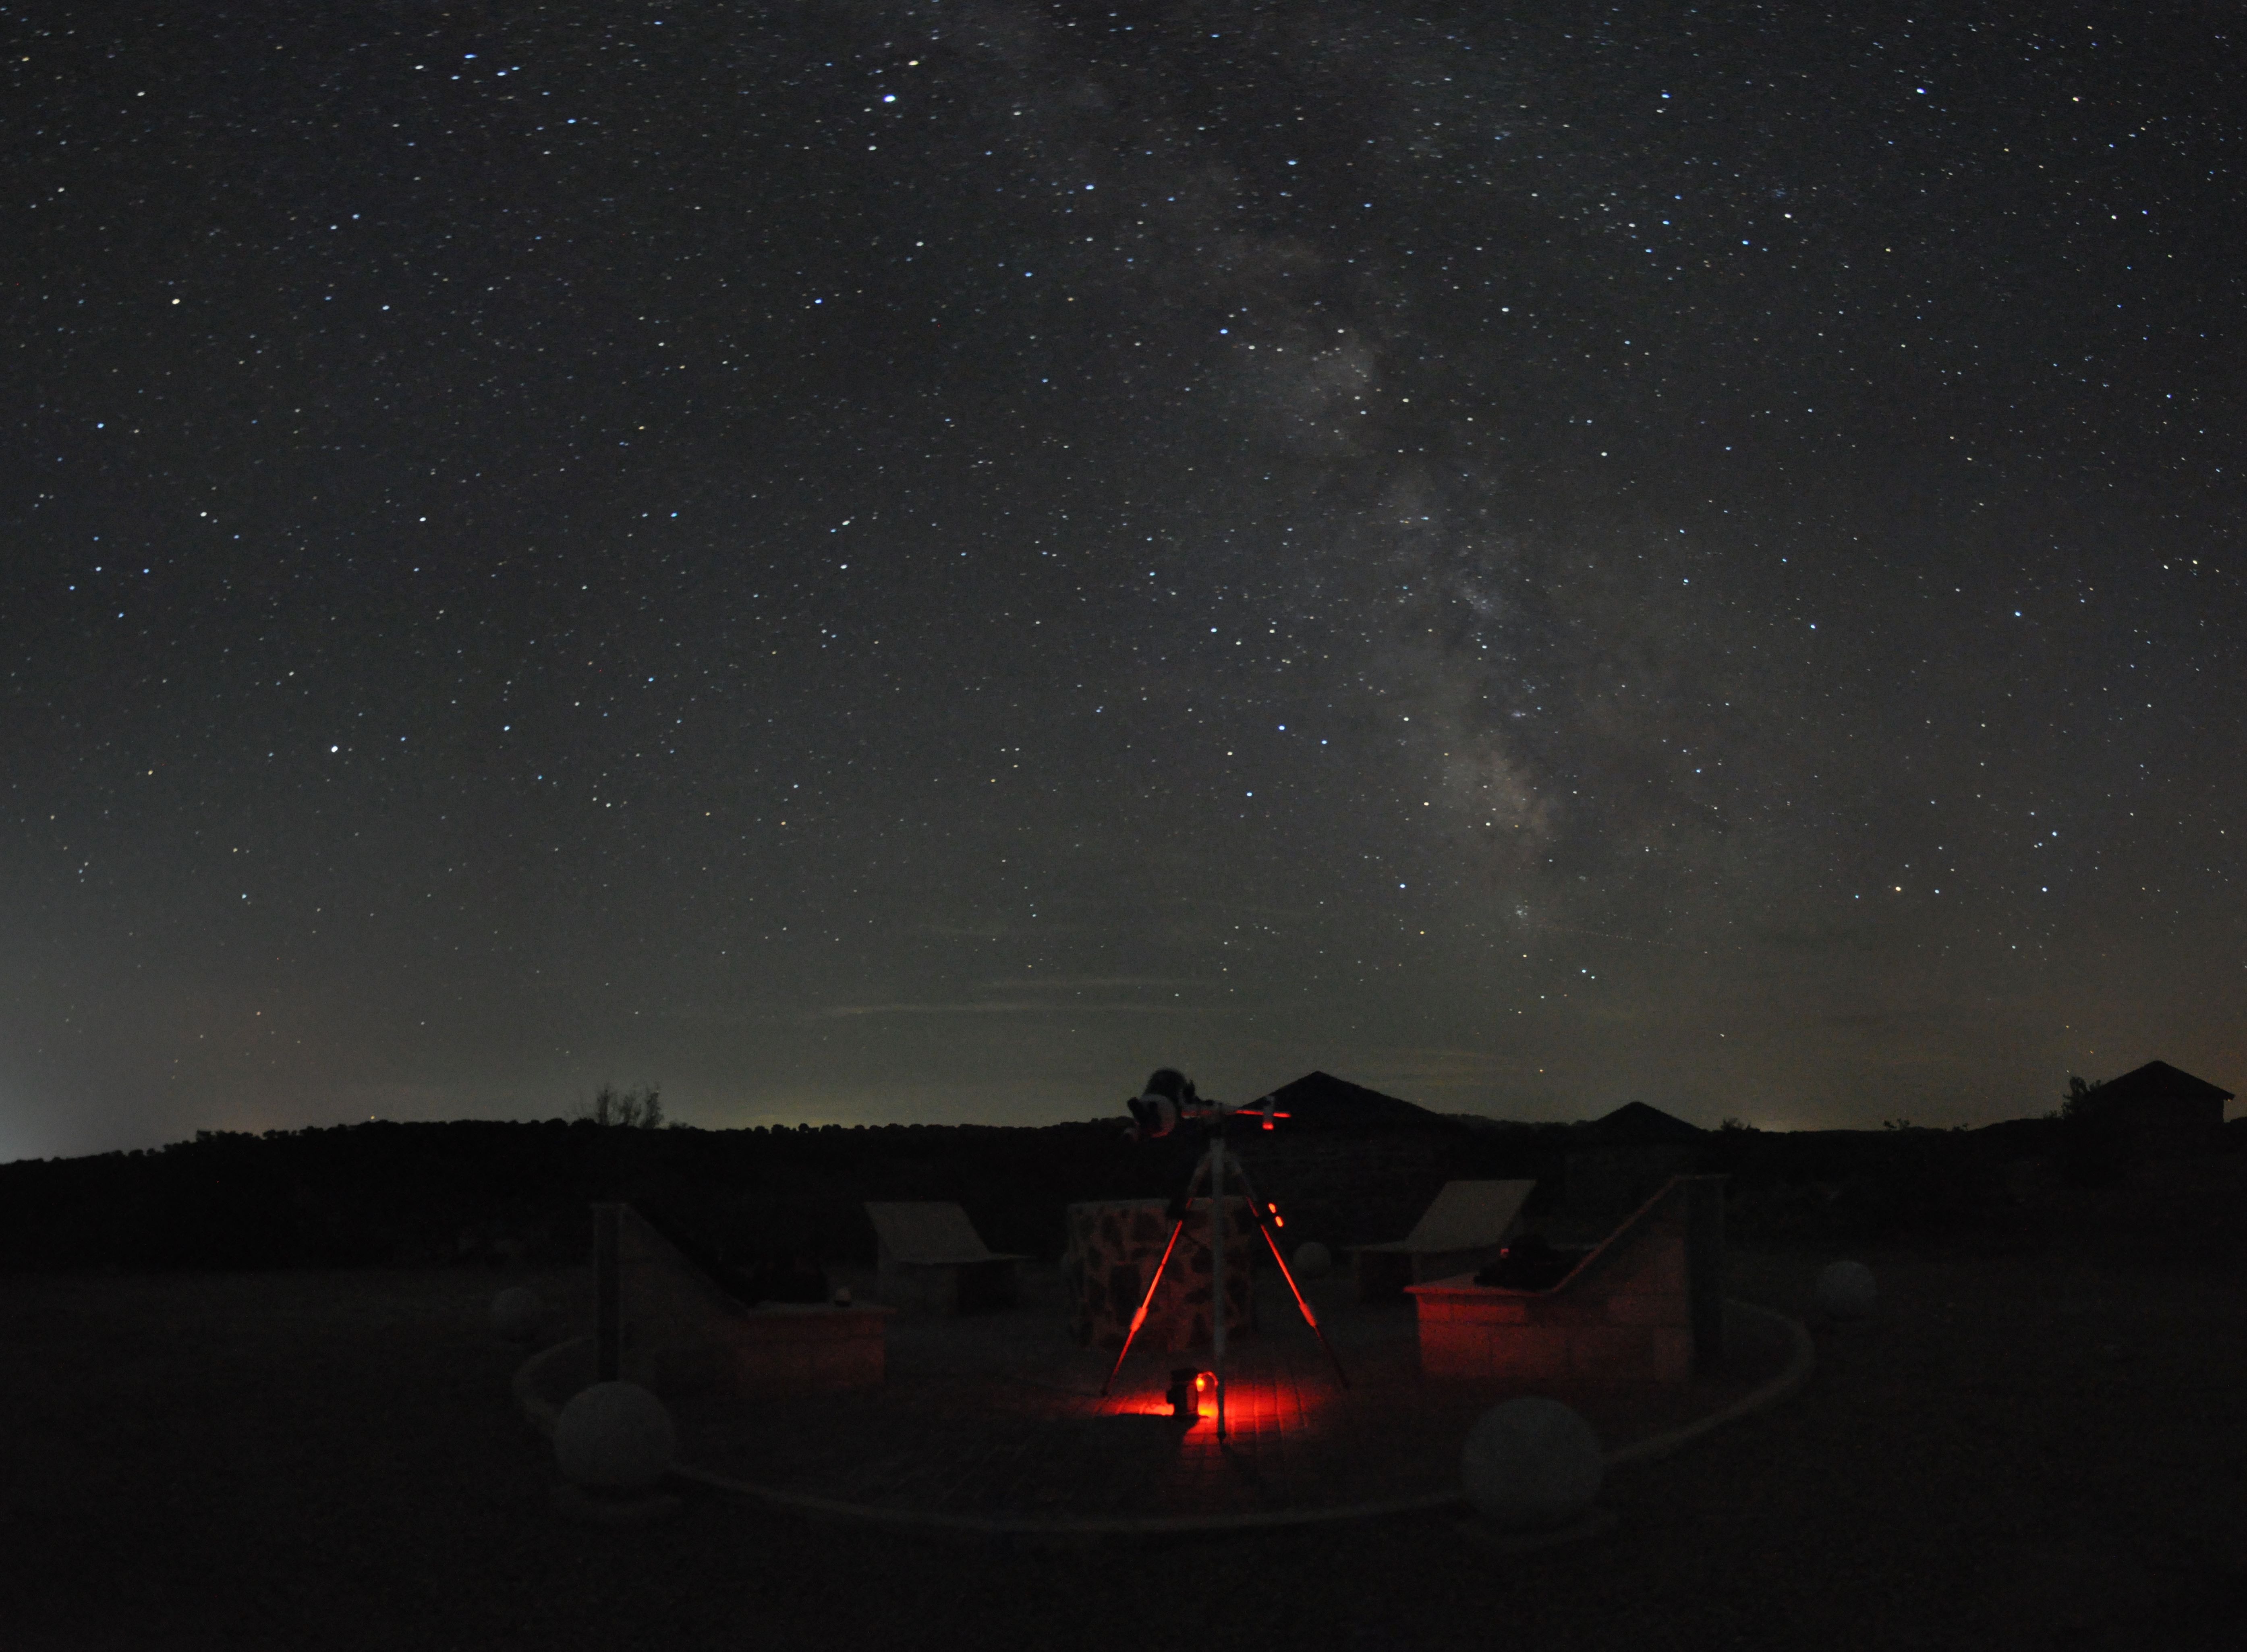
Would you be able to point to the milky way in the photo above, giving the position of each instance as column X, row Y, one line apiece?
column 915, row 562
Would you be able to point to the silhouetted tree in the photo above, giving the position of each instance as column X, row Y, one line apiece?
column 630, row 1109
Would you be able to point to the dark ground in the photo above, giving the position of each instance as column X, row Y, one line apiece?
column 2021, row 1452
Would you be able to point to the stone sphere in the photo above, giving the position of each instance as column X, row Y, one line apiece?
column 516, row 1313
column 1846, row 1291
column 614, row 1437
column 1312, row 1260
column 1532, row 1464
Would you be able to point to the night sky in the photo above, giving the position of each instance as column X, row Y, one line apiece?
column 873, row 562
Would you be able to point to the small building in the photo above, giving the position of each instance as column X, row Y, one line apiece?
column 2164, row 1111
column 928, row 1255
column 1618, row 1162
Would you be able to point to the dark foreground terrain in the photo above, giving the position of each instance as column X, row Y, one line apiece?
column 2021, row 1452
column 2041, row 1444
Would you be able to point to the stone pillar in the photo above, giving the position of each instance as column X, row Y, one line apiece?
column 1113, row 1250
column 608, row 1317
column 1705, row 1268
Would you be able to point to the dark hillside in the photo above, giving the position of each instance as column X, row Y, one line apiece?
column 1346, row 1171
column 475, row 1190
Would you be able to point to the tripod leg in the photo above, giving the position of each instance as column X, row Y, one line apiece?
column 1216, row 1223
column 1147, row 1302
column 1140, row 1318
column 1257, row 1208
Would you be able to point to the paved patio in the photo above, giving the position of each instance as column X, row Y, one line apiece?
column 998, row 1418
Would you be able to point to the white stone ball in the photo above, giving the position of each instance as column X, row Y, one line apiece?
column 1531, row 1464
column 1846, row 1291
column 1312, row 1260
column 614, row 1437
column 516, row 1313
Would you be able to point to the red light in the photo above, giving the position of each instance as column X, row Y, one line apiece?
column 1257, row 1397
column 1190, row 1404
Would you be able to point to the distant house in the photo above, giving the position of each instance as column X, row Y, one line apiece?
column 2163, row 1110
column 1618, row 1162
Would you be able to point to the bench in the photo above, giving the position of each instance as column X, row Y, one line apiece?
column 1466, row 1226
column 929, row 1256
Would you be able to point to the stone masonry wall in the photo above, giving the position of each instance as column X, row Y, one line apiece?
column 1113, row 1250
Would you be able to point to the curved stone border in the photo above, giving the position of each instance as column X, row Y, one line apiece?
column 1802, row 1360
column 539, row 1411
column 1497, row 1541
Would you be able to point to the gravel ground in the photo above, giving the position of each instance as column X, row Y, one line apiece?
column 2017, row 1452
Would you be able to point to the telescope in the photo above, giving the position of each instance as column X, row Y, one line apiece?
column 1170, row 1100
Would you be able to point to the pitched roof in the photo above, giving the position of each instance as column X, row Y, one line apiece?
column 2158, row 1079
column 1636, row 1124
column 929, row 1233
column 1469, row 1214
column 1320, row 1099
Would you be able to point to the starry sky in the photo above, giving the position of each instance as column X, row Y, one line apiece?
column 912, row 562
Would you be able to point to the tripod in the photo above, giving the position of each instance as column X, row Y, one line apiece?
column 1214, row 1160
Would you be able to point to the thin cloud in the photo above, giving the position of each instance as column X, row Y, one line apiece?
column 1010, row 1006
column 1106, row 983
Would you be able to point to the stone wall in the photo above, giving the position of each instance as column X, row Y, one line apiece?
column 1113, row 1250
